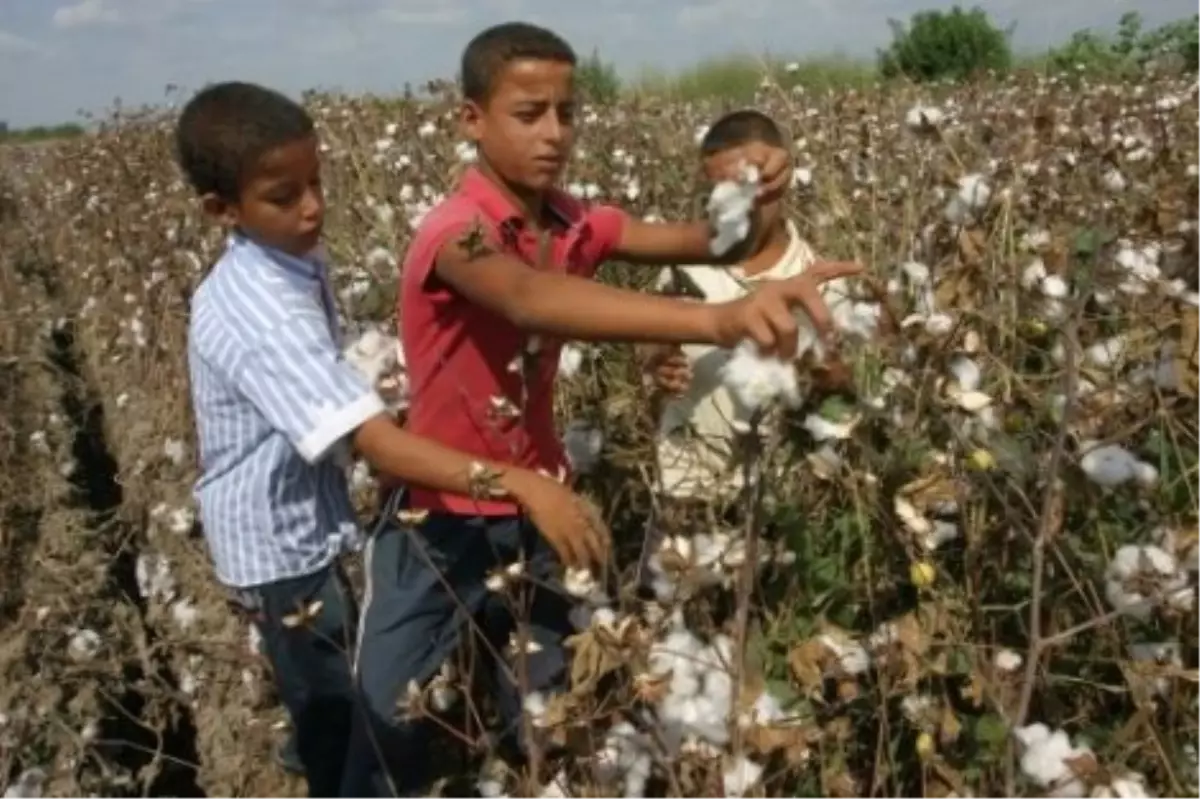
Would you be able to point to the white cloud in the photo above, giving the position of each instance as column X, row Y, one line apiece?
column 12, row 44
column 85, row 12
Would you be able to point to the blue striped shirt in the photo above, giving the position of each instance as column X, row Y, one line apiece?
column 274, row 401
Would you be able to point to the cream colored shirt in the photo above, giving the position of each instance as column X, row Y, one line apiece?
column 696, row 431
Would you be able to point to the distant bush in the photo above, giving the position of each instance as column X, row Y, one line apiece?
column 1131, row 49
column 40, row 133
column 597, row 79
column 952, row 44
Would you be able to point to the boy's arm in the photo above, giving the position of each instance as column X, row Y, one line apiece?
column 573, row 307
column 660, row 243
column 306, row 390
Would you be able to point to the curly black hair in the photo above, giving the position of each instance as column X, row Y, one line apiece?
column 486, row 55
column 227, row 127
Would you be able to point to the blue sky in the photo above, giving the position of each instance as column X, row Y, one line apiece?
column 60, row 56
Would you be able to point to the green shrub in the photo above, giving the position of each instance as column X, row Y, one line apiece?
column 952, row 44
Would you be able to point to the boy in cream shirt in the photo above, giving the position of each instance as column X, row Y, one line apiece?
column 699, row 467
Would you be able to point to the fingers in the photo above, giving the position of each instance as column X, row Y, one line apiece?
column 803, row 292
column 773, row 163
column 783, row 324
column 595, row 537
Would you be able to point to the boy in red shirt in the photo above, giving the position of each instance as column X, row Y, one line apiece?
column 497, row 276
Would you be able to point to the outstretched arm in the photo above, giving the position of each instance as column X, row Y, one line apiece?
column 660, row 243
column 574, row 307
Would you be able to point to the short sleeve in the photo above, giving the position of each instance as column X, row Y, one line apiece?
column 443, row 225
column 607, row 223
column 299, row 381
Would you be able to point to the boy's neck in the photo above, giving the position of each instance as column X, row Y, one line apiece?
column 530, row 204
column 768, row 255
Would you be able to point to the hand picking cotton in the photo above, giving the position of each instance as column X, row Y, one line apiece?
column 729, row 208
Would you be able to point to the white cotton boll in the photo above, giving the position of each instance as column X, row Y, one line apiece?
column 765, row 711
column 729, row 209
column 1045, row 759
column 184, row 613
column 84, row 644
column 852, row 658
column 638, row 774
column 465, row 152
column 1114, row 181
column 1007, row 661
column 756, row 380
column 740, row 776
column 154, row 579
column 583, row 444
column 534, row 705
column 556, row 788
column 1129, row 786
column 373, row 354
column 570, row 359
column 940, row 532
column 923, row 119
column 1054, row 287
column 490, row 788
column 1033, row 275
column 938, row 324
column 174, row 450
column 28, row 784
column 971, row 196
column 1133, row 568
column 1108, row 353
column 821, row 429
column 966, row 372
column 1108, row 465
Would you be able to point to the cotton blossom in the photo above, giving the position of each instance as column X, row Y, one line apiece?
column 923, row 119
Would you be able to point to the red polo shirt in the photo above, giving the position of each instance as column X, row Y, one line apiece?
column 466, row 390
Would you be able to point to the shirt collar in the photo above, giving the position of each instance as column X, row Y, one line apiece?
column 793, row 249
column 497, row 206
column 311, row 266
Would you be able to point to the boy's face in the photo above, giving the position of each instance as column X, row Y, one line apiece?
column 526, row 127
column 280, row 203
column 768, row 212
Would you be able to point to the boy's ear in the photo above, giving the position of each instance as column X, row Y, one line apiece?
column 219, row 210
column 470, row 117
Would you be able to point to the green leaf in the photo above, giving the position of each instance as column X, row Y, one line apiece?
column 991, row 731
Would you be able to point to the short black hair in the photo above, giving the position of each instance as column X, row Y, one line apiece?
column 486, row 55
column 740, row 127
column 226, row 127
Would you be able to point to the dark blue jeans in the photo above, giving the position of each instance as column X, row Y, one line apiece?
column 426, row 588
column 311, row 665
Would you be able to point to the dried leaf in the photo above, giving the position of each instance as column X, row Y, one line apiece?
column 1187, row 358
column 807, row 663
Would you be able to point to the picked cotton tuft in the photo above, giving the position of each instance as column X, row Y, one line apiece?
column 729, row 209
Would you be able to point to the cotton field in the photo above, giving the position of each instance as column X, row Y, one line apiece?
column 972, row 573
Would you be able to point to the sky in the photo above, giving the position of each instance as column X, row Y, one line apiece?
column 60, row 57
